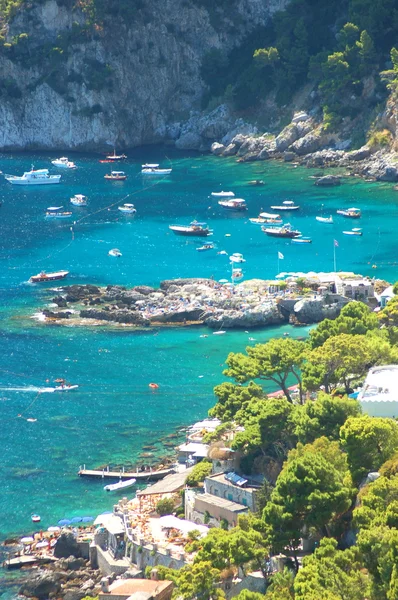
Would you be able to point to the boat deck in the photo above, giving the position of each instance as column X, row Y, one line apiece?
column 138, row 475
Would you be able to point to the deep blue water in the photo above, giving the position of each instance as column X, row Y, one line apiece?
column 114, row 413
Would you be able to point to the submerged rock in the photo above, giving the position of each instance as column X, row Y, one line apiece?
column 328, row 181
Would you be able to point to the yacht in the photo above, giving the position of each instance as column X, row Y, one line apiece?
column 64, row 163
column 33, row 177
column 79, row 200
column 155, row 171
column 194, row 229
column 285, row 231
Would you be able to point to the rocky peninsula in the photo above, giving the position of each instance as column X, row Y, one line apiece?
column 188, row 302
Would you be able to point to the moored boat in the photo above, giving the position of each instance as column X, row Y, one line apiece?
column 352, row 213
column 237, row 258
column 205, row 247
column 223, row 194
column 150, row 166
column 33, row 177
column 63, row 163
column 285, row 231
column 301, row 240
column 194, row 229
column 237, row 204
column 114, row 157
column 155, row 171
column 286, row 205
column 265, row 215
column 120, row 485
column 328, row 220
column 56, row 212
column 128, row 209
column 79, row 200
column 43, row 276
column 256, row 182
column 355, row 231
column 116, row 176
column 35, row 518
column 237, row 274
column 115, row 252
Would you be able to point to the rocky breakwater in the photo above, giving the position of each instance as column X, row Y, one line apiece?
column 185, row 302
column 305, row 140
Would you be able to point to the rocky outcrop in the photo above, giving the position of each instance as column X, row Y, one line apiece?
column 328, row 181
column 66, row 546
column 42, row 585
column 315, row 310
column 130, row 78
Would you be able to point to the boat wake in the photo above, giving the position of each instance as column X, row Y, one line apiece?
column 29, row 388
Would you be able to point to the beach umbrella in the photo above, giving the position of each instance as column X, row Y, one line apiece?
column 64, row 522
column 42, row 545
column 87, row 519
column 27, row 540
column 54, row 529
column 76, row 520
column 223, row 281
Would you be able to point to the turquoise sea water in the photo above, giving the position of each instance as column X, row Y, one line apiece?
column 114, row 413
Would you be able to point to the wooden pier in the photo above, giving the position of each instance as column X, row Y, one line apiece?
column 140, row 476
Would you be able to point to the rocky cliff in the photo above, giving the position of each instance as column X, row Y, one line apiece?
column 69, row 80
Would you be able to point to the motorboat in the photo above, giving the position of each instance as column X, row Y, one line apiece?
column 352, row 213
column 116, row 176
column 33, row 177
column 219, row 332
column 120, row 485
column 128, row 209
column 35, row 518
column 79, row 200
column 237, row 274
column 63, row 163
column 258, row 221
column 286, row 205
column 237, row 258
column 223, row 194
column 150, row 166
column 43, row 276
column 265, row 215
column 56, row 212
column 114, row 252
column 237, row 204
column 64, row 387
column 256, row 182
column 155, row 171
column 328, row 220
column 114, row 157
column 205, row 247
column 285, row 231
column 301, row 240
column 194, row 229
column 355, row 231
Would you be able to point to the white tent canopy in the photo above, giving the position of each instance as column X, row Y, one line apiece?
column 171, row 522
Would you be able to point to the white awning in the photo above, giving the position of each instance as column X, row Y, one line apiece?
column 170, row 522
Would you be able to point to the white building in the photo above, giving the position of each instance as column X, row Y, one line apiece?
column 379, row 395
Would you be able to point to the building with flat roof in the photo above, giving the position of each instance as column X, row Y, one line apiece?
column 136, row 589
column 379, row 394
column 201, row 508
column 241, row 493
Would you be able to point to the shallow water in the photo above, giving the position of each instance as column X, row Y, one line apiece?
column 114, row 413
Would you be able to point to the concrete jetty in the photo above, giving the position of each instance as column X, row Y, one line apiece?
column 151, row 475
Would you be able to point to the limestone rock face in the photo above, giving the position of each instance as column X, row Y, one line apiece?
column 307, row 144
column 314, row 311
column 218, row 149
column 42, row 585
column 148, row 66
column 328, row 181
column 66, row 546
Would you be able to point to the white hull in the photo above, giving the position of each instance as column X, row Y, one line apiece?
column 121, row 485
column 156, row 171
column 223, row 194
column 20, row 181
column 65, row 388
column 327, row 220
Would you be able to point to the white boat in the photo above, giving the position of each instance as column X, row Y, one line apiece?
column 79, row 200
column 120, row 485
column 63, row 163
column 43, row 276
column 65, row 387
column 328, row 220
column 237, row 258
column 223, row 194
column 33, row 177
column 205, row 247
column 237, row 204
column 355, row 231
column 219, row 332
column 128, row 209
column 35, row 518
column 194, row 229
column 265, row 215
column 237, row 274
column 150, row 166
column 114, row 252
column 286, row 205
column 56, row 212
column 301, row 240
column 155, row 171
column 353, row 213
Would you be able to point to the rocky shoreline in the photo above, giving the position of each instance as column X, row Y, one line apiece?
column 190, row 302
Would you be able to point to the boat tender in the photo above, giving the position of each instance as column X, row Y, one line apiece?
column 128, row 209
column 352, row 213
column 328, row 220
column 355, row 231
column 63, row 163
column 237, row 258
column 43, row 276
column 120, row 485
column 301, row 240
column 205, row 247
column 114, row 252
column 33, row 177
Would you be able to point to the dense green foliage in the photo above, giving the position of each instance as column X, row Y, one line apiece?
column 165, row 507
column 198, row 474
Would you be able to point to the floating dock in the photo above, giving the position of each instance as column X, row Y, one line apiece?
column 27, row 560
column 140, row 476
